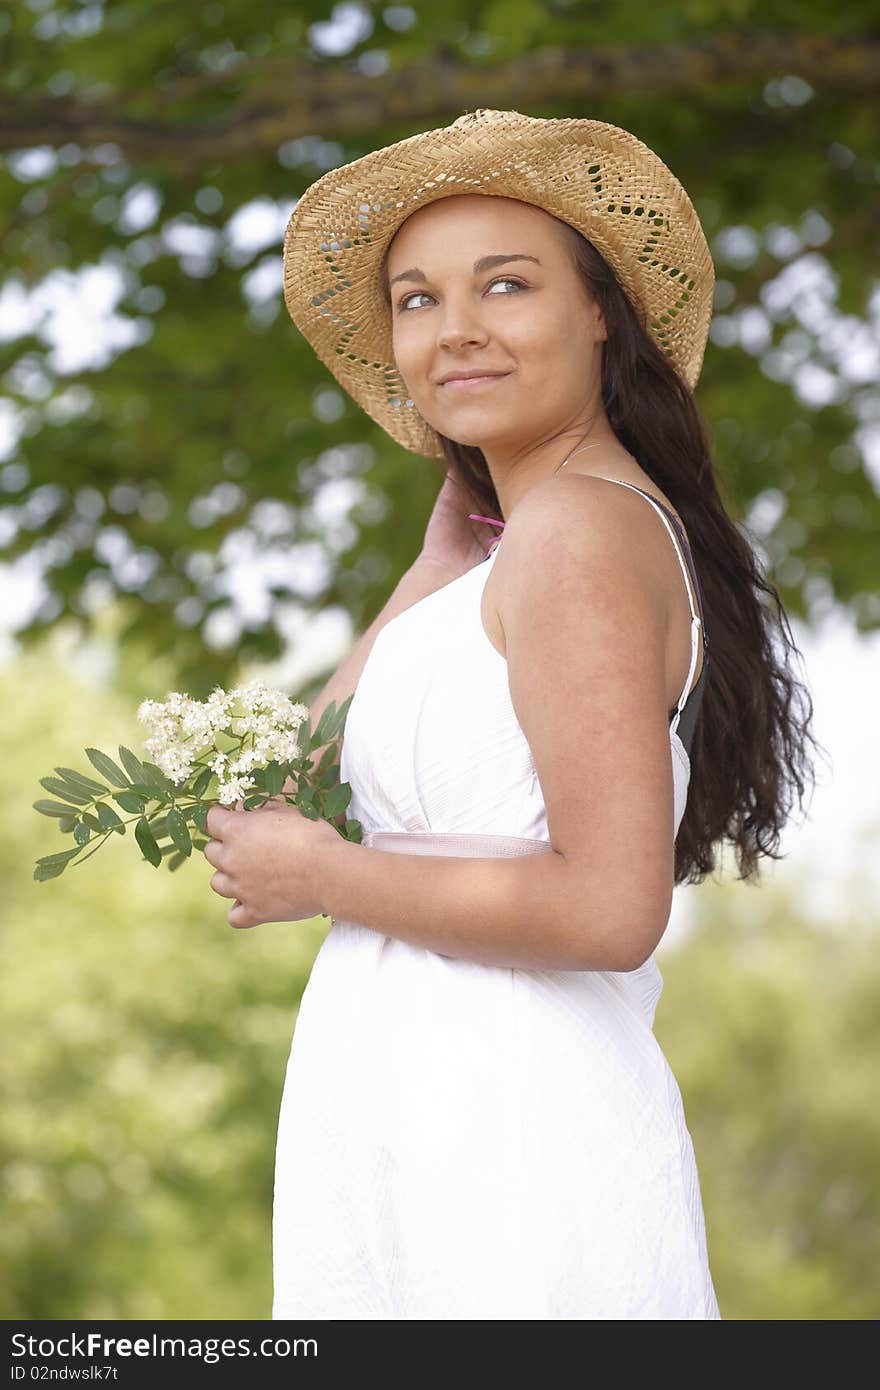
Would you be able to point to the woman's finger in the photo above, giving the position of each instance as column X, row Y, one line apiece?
column 222, row 884
column 239, row 916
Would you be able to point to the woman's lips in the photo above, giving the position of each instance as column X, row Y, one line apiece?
column 463, row 383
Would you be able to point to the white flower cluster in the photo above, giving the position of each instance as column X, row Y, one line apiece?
column 187, row 735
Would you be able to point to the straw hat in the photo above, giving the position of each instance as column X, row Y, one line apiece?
column 595, row 176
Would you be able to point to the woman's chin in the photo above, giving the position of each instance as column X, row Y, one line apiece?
column 466, row 439
column 472, row 434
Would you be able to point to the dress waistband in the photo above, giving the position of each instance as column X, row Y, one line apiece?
column 640, row 989
column 463, row 845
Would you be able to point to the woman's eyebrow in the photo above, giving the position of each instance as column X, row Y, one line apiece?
column 484, row 263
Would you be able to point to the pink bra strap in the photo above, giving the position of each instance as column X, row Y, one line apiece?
column 474, row 516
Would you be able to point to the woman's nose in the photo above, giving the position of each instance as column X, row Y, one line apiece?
column 459, row 328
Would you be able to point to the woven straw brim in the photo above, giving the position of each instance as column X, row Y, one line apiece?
column 599, row 178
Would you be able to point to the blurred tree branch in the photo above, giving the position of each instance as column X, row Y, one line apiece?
column 281, row 99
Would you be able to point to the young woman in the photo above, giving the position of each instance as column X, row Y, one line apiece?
column 477, row 1120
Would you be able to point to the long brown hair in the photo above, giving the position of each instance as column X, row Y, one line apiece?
column 749, row 749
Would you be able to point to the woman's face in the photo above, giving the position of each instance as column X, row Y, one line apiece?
column 529, row 320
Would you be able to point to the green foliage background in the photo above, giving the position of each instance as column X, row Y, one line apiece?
column 147, row 1045
column 146, row 1040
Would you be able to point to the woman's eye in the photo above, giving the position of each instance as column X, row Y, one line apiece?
column 420, row 294
column 516, row 283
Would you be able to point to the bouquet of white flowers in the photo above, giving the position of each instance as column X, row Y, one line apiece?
column 240, row 745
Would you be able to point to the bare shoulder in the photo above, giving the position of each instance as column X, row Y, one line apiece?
column 574, row 530
column 584, row 496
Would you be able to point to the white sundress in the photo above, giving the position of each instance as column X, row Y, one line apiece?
column 468, row 1141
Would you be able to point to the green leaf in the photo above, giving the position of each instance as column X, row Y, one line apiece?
column 61, row 857
column 88, row 819
column 327, row 761
column 275, row 774
column 51, row 808
column 337, row 799
column 44, row 871
column 82, row 834
column 64, row 789
column 51, row 865
column 129, row 801
column 328, row 778
column 155, row 777
column 176, row 861
column 325, row 725
column 144, row 836
column 201, row 782
column 150, row 792
column 108, row 819
column 79, row 780
column 178, row 831
column 145, row 790
column 340, row 718
column 200, row 817
column 131, row 764
column 67, row 824
column 107, row 767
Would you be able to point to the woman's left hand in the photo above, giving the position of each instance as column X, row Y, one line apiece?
column 271, row 860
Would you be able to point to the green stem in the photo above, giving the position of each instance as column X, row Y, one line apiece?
column 74, row 862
